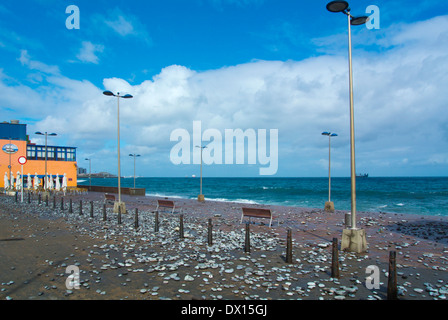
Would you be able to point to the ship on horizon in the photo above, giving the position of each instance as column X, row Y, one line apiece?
column 362, row 175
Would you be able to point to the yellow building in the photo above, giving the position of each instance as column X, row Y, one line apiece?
column 15, row 144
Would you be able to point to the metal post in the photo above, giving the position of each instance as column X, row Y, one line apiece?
column 91, row 209
column 119, row 170
column 181, row 226
column 156, row 222
column 104, row 212
column 62, row 203
column 247, row 239
column 70, row 208
column 352, row 129
column 136, row 219
column 210, row 235
column 80, row 207
column 289, row 247
column 335, row 259
column 392, row 292
column 119, row 214
column 329, row 168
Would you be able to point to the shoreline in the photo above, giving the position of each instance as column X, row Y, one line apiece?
column 119, row 262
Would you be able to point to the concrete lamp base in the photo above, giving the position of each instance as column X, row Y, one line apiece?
column 329, row 206
column 201, row 198
column 354, row 240
column 120, row 205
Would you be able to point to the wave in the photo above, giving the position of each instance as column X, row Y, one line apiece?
column 233, row 201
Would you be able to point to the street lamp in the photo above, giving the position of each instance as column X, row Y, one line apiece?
column 354, row 239
column 90, row 170
column 45, row 134
column 329, row 205
column 126, row 96
column 201, row 196
column 134, row 155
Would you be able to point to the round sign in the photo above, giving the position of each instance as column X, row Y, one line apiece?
column 22, row 160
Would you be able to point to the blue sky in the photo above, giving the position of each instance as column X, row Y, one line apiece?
column 231, row 64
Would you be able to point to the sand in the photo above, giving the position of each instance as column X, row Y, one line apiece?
column 119, row 262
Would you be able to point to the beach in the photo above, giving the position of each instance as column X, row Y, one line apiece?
column 38, row 242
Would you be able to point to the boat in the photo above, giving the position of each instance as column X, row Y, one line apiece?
column 362, row 175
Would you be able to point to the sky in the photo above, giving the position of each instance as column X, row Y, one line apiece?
column 278, row 67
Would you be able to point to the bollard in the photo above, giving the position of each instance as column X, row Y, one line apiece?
column 335, row 259
column 80, row 207
column 119, row 214
column 70, row 208
column 156, row 222
column 16, row 196
column 181, row 226
column 29, row 197
column 210, row 238
column 289, row 247
column 46, row 200
column 104, row 212
column 91, row 209
column 136, row 219
column 348, row 220
column 247, row 240
column 62, row 203
column 38, row 199
column 54, row 202
column 392, row 292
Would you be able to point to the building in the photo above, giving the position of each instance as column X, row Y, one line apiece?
column 15, row 143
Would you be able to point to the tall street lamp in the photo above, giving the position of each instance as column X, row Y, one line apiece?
column 353, row 239
column 90, row 170
column 329, row 205
column 134, row 155
column 126, row 96
column 201, row 196
column 45, row 134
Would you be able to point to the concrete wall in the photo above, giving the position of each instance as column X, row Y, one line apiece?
column 114, row 190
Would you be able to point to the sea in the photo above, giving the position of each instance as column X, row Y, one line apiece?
column 410, row 195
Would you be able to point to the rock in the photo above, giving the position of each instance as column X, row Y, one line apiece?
column 188, row 278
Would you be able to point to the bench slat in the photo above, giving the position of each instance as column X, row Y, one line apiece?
column 257, row 213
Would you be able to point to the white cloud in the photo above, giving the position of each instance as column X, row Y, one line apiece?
column 400, row 106
column 88, row 52
column 25, row 60
column 123, row 24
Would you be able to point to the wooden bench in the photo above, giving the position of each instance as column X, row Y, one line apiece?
column 257, row 213
column 165, row 204
column 109, row 198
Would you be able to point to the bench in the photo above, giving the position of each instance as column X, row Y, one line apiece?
column 165, row 204
column 109, row 198
column 257, row 213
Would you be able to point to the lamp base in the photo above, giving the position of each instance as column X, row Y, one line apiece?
column 354, row 240
column 329, row 206
column 201, row 198
column 120, row 205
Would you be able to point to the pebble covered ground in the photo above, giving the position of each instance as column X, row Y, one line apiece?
column 41, row 243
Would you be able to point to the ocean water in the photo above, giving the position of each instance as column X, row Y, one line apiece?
column 412, row 195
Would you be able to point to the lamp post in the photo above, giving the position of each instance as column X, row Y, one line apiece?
column 329, row 205
column 90, row 170
column 126, row 96
column 353, row 239
column 45, row 134
column 201, row 196
column 134, row 155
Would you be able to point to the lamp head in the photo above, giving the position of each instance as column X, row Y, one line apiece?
column 337, row 6
column 357, row 21
column 108, row 93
